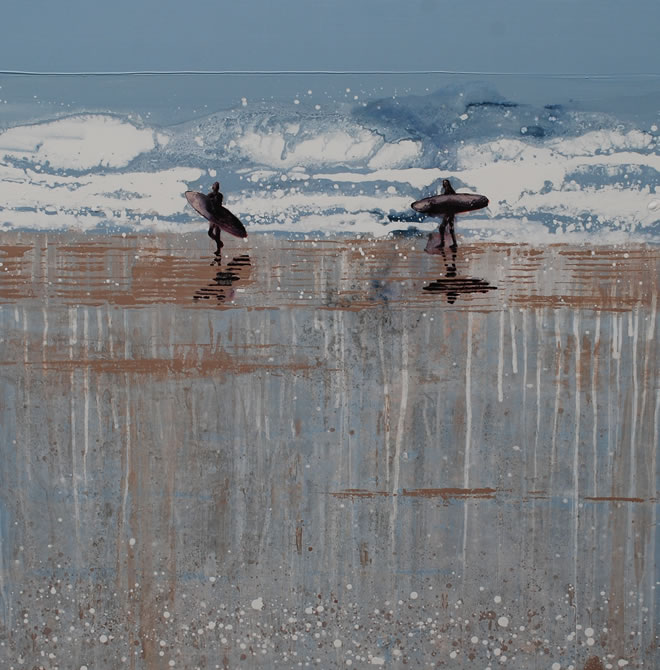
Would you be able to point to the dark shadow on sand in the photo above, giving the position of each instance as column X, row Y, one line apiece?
column 220, row 288
column 452, row 285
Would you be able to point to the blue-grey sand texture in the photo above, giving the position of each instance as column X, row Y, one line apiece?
column 327, row 453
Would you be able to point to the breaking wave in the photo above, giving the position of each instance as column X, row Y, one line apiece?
column 550, row 172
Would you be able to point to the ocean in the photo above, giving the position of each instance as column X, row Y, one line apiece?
column 560, row 159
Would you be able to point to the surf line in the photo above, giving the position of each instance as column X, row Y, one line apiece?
column 480, row 73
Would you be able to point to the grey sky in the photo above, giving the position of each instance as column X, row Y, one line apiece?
column 596, row 36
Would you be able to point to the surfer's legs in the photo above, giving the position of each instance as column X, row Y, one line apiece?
column 214, row 234
column 451, row 230
column 443, row 225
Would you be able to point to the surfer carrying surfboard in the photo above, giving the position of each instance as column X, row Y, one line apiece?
column 219, row 217
column 214, row 205
column 448, row 204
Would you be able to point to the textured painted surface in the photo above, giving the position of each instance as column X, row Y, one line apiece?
column 327, row 454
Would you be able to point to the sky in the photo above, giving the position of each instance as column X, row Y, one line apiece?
column 544, row 36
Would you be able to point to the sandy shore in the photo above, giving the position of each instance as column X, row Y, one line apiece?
column 323, row 451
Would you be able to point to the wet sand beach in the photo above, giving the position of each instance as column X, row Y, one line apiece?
column 327, row 453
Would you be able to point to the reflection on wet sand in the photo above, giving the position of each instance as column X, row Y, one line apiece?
column 452, row 285
column 328, row 462
column 220, row 287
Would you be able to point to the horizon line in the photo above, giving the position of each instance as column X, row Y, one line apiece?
column 484, row 73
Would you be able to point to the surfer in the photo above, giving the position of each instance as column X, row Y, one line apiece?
column 210, row 206
column 447, row 188
column 215, row 205
column 446, row 205
column 447, row 219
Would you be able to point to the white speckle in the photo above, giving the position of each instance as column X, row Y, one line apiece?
column 103, row 639
column 212, row 580
column 556, row 666
column 308, row 610
column 83, row 667
column 244, row 102
column 166, row 614
column 132, row 542
column 296, row 101
column 377, row 660
column 474, row 639
column 589, row 632
column 53, row 590
column 349, row 586
column 414, row 595
column 622, row 662
column 503, row 621
column 590, row 641
column 171, row 664
column 452, row 654
column 498, row 599
column 211, row 625
column 337, row 643
column 257, row 604
column 463, row 117
column 320, row 608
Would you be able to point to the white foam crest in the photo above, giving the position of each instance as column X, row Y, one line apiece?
column 416, row 177
column 79, row 142
column 610, row 203
column 336, row 147
column 283, row 202
column 515, row 176
column 602, row 141
column 396, row 155
column 144, row 193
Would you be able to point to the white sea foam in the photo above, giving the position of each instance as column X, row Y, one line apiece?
column 398, row 154
column 329, row 174
column 285, row 150
column 79, row 142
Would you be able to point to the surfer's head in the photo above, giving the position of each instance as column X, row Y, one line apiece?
column 216, row 186
column 447, row 188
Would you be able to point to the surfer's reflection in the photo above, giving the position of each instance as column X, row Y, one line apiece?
column 220, row 288
column 452, row 285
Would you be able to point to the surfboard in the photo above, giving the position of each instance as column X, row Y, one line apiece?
column 223, row 218
column 439, row 205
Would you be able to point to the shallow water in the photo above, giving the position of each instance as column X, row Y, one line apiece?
column 323, row 451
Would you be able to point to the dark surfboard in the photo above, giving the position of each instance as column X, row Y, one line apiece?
column 224, row 218
column 455, row 203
